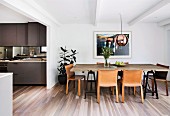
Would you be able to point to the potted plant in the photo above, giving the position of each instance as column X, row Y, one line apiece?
column 106, row 51
column 66, row 58
column 72, row 56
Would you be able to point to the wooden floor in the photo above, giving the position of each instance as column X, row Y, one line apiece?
column 38, row 101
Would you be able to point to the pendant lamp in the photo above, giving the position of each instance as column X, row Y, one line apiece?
column 121, row 39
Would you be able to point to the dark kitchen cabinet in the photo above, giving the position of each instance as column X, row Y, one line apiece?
column 3, row 66
column 28, row 72
column 36, row 34
column 1, row 35
column 22, row 34
column 42, row 33
column 8, row 34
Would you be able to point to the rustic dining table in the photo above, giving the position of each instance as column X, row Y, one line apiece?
column 96, row 67
column 144, row 67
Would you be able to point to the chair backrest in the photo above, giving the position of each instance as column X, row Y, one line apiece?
column 161, row 74
column 99, row 63
column 132, row 77
column 107, row 77
column 68, row 72
column 126, row 62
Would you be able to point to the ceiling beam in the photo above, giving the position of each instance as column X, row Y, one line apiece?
column 164, row 22
column 43, row 11
column 32, row 10
column 167, row 27
column 98, row 9
column 149, row 11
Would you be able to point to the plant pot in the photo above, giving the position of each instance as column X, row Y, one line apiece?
column 62, row 79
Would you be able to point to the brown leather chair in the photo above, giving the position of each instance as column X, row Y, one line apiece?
column 72, row 77
column 100, row 63
column 132, row 78
column 107, row 78
column 161, row 76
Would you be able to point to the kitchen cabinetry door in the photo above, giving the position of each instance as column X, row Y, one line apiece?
column 22, row 34
column 28, row 72
column 42, row 38
column 36, row 34
column 8, row 34
column 0, row 35
column 43, row 72
column 33, row 34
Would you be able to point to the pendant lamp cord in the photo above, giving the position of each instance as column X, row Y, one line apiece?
column 121, row 22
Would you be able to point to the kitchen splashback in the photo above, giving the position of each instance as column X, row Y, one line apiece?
column 6, row 52
column 10, row 52
column 31, row 50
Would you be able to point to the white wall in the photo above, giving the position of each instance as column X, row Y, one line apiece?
column 167, row 51
column 30, row 9
column 147, row 41
column 52, row 56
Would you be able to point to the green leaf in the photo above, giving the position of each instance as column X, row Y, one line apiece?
column 106, row 51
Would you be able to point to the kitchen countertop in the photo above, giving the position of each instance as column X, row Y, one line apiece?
column 25, row 60
column 6, row 88
column 5, row 74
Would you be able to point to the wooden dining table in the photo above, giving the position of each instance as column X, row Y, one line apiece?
column 96, row 67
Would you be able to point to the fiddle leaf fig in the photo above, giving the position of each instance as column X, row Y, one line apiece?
column 66, row 58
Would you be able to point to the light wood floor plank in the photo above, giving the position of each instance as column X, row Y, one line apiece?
column 38, row 101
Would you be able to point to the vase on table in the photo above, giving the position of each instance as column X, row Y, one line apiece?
column 106, row 63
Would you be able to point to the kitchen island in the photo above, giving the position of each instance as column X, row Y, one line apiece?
column 6, row 105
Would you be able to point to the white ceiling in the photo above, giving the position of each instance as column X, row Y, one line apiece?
column 98, row 11
column 129, row 9
column 9, row 16
column 107, row 11
column 70, row 11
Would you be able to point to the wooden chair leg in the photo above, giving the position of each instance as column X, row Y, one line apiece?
column 153, row 87
column 98, row 94
column 134, row 91
column 67, row 87
column 123, row 93
column 166, row 83
column 112, row 88
column 79, row 88
column 141, row 90
column 117, row 95
column 119, row 88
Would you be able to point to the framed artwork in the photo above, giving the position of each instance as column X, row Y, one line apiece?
column 107, row 39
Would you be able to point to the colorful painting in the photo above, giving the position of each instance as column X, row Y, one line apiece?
column 107, row 39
